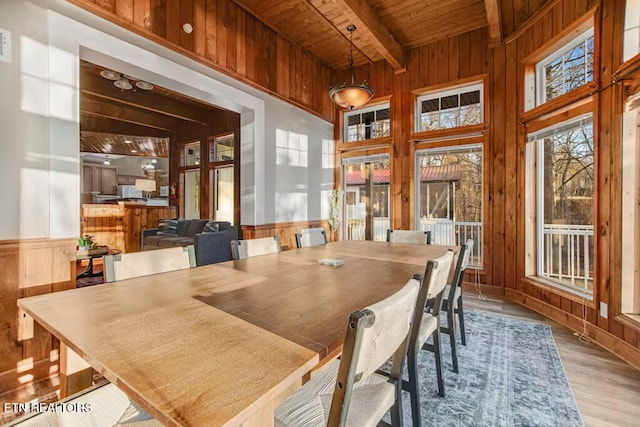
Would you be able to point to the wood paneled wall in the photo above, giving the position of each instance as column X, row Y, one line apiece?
column 228, row 39
column 30, row 267
column 120, row 227
column 231, row 40
column 612, row 331
column 504, row 271
column 514, row 13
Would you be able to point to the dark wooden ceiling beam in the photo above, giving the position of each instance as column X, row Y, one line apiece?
column 495, row 23
column 97, row 86
column 105, row 125
column 96, row 107
column 360, row 13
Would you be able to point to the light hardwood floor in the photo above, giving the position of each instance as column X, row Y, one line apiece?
column 607, row 389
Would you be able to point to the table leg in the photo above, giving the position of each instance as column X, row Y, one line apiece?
column 265, row 416
column 89, row 271
column 75, row 374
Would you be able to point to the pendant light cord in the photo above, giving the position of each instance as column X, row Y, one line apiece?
column 351, row 28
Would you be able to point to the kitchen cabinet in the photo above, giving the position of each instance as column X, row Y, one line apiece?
column 103, row 179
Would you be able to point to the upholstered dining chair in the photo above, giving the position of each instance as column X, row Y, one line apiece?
column 409, row 236
column 242, row 249
column 425, row 325
column 349, row 391
column 136, row 264
column 311, row 237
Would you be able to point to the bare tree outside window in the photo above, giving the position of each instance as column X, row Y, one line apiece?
column 451, row 195
column 565, row 204
column 450, row 109
column 368, row 124
column 568, row 69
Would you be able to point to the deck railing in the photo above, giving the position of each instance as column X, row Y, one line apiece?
column 568, row 249
column 568, row 255
column 442, row 233
column 455, row 233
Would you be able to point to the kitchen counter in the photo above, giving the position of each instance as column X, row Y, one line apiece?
column 120, row 226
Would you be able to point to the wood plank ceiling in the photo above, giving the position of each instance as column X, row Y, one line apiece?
column 126, row 145
column 385, row 27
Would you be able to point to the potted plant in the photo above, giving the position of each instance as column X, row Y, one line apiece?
column 87, row 246
column 335, row 211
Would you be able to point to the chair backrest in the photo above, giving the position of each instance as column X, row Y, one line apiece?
column 433, row 283
column 253, row 247
column 462, row 262
column 136, row 264
column 409, row 236
column 311, row 237
column 457, row 277
column 373, row 335
column 465, row 258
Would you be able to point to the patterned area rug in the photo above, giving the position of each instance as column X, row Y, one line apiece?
column 510, row 375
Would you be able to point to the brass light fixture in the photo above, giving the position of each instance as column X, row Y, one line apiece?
column 351, row 95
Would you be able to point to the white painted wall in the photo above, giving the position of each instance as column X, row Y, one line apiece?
column 24, row 125
column 39, row 145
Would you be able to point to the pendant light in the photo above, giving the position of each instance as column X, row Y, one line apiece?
column 351, row 95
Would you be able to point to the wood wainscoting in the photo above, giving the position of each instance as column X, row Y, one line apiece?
column 120, row 227
column 30, row 267
column 286, row 231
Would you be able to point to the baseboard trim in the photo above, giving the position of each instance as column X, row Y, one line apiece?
column 494, row 291
column 604, row 339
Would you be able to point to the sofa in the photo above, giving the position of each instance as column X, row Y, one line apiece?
column 211, row 239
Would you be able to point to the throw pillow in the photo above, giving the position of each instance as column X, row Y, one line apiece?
column 183, row 226
column 196, row 226
column 211, row 227
column 168, row 227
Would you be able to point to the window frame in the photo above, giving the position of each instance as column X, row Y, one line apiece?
column 359, row 111
column 535, row 210
column 462, row 143
column 541, row 87
column 444, row 92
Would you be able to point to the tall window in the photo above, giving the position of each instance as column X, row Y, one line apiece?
column 367, row 123
column 462, row 106
column 565, row 69
column 561, row 158
column 366, row 201
column 222, row 188
column 190, row 187
column 449, row 196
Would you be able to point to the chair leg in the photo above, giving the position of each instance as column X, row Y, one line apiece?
column 463, row 335
column 451, row 328
column 396, row 409
column 412, row 367
column 438, row 353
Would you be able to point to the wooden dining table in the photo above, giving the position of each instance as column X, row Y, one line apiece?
column 224, row 344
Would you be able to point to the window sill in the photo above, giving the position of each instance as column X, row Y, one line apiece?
column 555, row 288
column 560, row 102
column 443, row 133
column 366, row 143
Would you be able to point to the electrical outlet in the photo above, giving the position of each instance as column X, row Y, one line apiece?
column 5, row 45
column 603, row 309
